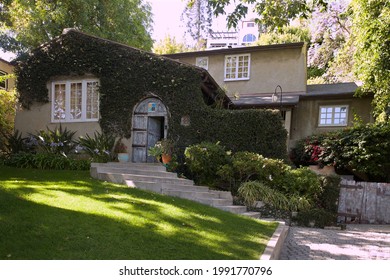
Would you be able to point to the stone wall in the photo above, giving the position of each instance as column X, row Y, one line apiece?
column 364, row 202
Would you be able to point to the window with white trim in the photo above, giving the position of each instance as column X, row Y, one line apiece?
column 75, row 101
column 3, row 83
column 237, row 67
column 333, row 115
column 203, row 62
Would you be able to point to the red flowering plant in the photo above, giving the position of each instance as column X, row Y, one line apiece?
column 308, row 151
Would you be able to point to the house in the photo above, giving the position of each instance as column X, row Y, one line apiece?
column 89, row 84
column 6, row 68
column 275, row 77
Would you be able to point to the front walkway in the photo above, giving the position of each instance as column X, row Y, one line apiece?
column 357, row 242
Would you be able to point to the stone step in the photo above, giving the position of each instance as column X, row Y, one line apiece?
column 159, row 187
column 121, row 179
column 237, row 209
column 255, row 215
column 215, row 202
column 136, row 171
column 130, row 165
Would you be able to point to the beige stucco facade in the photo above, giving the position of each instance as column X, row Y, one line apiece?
column 306, row 115
column 270, row 66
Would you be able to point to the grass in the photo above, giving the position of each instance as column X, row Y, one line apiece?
column 66, row 215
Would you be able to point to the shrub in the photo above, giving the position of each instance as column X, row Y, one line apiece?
column 329, row 196
column 254, row 190
column 204, row 160
column 319, row 216
column 46, row 161
column 99, row 148
column 56, row 141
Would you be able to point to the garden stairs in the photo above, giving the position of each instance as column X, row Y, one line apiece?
column 155, row 178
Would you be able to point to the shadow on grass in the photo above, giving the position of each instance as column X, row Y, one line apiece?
column 134, row 227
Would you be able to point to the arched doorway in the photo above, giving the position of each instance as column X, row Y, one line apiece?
column 150, row 124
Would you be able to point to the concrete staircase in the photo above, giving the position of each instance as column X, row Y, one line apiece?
column 154, row 177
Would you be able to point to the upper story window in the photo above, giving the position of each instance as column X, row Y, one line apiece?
column 333, row 115
column 250, row 24
column 75, row 101
column 3, row 83
column 202, row 62
column 237, row 67
column 249, row 38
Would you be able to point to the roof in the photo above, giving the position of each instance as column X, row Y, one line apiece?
column 236, row 50
column 323, row 91
column 208, row 86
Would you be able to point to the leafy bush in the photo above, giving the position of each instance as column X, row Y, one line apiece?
column 99, row 148
column 56, row 141
column 46, row 161
column 204, row 160
column 253, row 190
column 320, row 217
column 329, row 196
column 7, row 113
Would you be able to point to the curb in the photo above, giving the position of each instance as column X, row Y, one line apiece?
column 274, row 246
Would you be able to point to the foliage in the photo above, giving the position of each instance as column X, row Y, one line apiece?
column 273, row 14
column 99, row 147
column 46, row 161
column 371, row 21
column 56, row 141
column 287, row 34
column 253, row 190
column 330, row 29
column 169, row 45
column 198, row 18
column 319, row 216
column 17, row 143
column 74, row 53
column 28, row 24
column 156, row 151
column 7, row 113
column 203, row 161
column 329, row 197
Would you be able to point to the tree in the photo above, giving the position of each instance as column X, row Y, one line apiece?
column 371, row 33
column 27, row 24
column 169, row 45
column 287, row 34
column 330, row 30
column 274, row 14
column 198, row 17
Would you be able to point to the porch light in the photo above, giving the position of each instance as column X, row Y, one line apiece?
column 278, row 96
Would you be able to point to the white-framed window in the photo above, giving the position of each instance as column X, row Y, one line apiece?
column 335, row 115
column 237, row 67
column 75, row 100
column 203, row 62
column 3, row 83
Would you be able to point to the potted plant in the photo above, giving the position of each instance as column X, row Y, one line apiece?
column 121, row 150
column 156, row 151
column 167, row 150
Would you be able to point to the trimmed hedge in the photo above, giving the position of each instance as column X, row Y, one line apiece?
column 128, row 75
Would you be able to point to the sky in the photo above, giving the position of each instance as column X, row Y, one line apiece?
column 167, row 20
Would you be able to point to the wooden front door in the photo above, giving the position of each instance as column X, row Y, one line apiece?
column 150, row 125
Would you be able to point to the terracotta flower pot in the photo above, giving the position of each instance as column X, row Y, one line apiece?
column 166, row 158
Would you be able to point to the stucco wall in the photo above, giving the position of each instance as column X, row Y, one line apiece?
column 306, row 114
column 285, row 67
column 38, row 117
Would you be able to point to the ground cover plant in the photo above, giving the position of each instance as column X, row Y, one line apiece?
column 48, row 214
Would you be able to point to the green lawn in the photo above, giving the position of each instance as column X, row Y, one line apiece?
column 68, row 215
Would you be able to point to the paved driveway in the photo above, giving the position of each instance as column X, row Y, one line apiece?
column 357, row 242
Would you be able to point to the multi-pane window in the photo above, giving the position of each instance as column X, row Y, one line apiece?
column 202, row 62
column 237, row 67
column 74, row 101
column 333, row 115
column 3, row 82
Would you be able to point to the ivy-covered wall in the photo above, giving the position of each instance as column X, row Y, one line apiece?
column 128, row 75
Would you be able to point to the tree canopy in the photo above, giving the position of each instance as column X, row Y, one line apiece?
column 27, row 24
column 169, row 45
